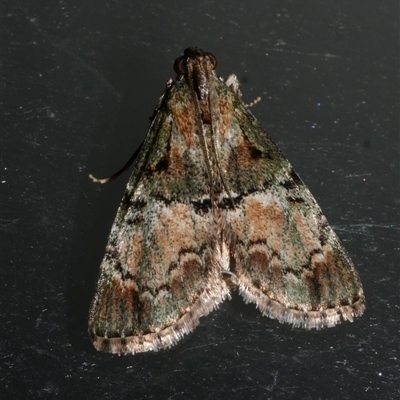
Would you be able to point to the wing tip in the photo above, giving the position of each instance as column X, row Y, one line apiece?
column 210, row 299
column 320, row 319
column 142, row 343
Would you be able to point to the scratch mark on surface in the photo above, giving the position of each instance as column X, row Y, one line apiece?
column 357, row 175
column 324, row 55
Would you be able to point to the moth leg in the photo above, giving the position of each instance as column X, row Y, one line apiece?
column 233, row 83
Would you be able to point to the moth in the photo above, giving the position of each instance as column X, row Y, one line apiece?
column 212, row 203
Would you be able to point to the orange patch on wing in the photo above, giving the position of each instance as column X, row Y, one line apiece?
column 123, row 300
column 339, row 275
column 247, row 155
column 175, row 158
column 183, row 116
column 176, row 284
column 146, row 300
column 173, row 231
column 225, row 106
column 265, row 220
column 276, row 274
column 259, row 258
column 135, row 253
column 308, row 231
column 191, row 267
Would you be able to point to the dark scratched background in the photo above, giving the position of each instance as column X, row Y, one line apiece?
column 80, row 80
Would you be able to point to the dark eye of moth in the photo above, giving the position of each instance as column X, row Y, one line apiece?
column 179, row 65
column 213, row 59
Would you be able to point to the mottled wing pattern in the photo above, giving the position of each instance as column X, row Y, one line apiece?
column 162, row 269
column 287, row 259
column 213, row 202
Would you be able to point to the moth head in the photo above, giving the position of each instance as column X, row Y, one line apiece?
column 180, row 64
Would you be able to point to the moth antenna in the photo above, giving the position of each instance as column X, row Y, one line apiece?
column 118, row 173
column 252, row 103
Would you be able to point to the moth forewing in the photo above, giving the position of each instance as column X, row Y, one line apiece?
column 213, row 204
